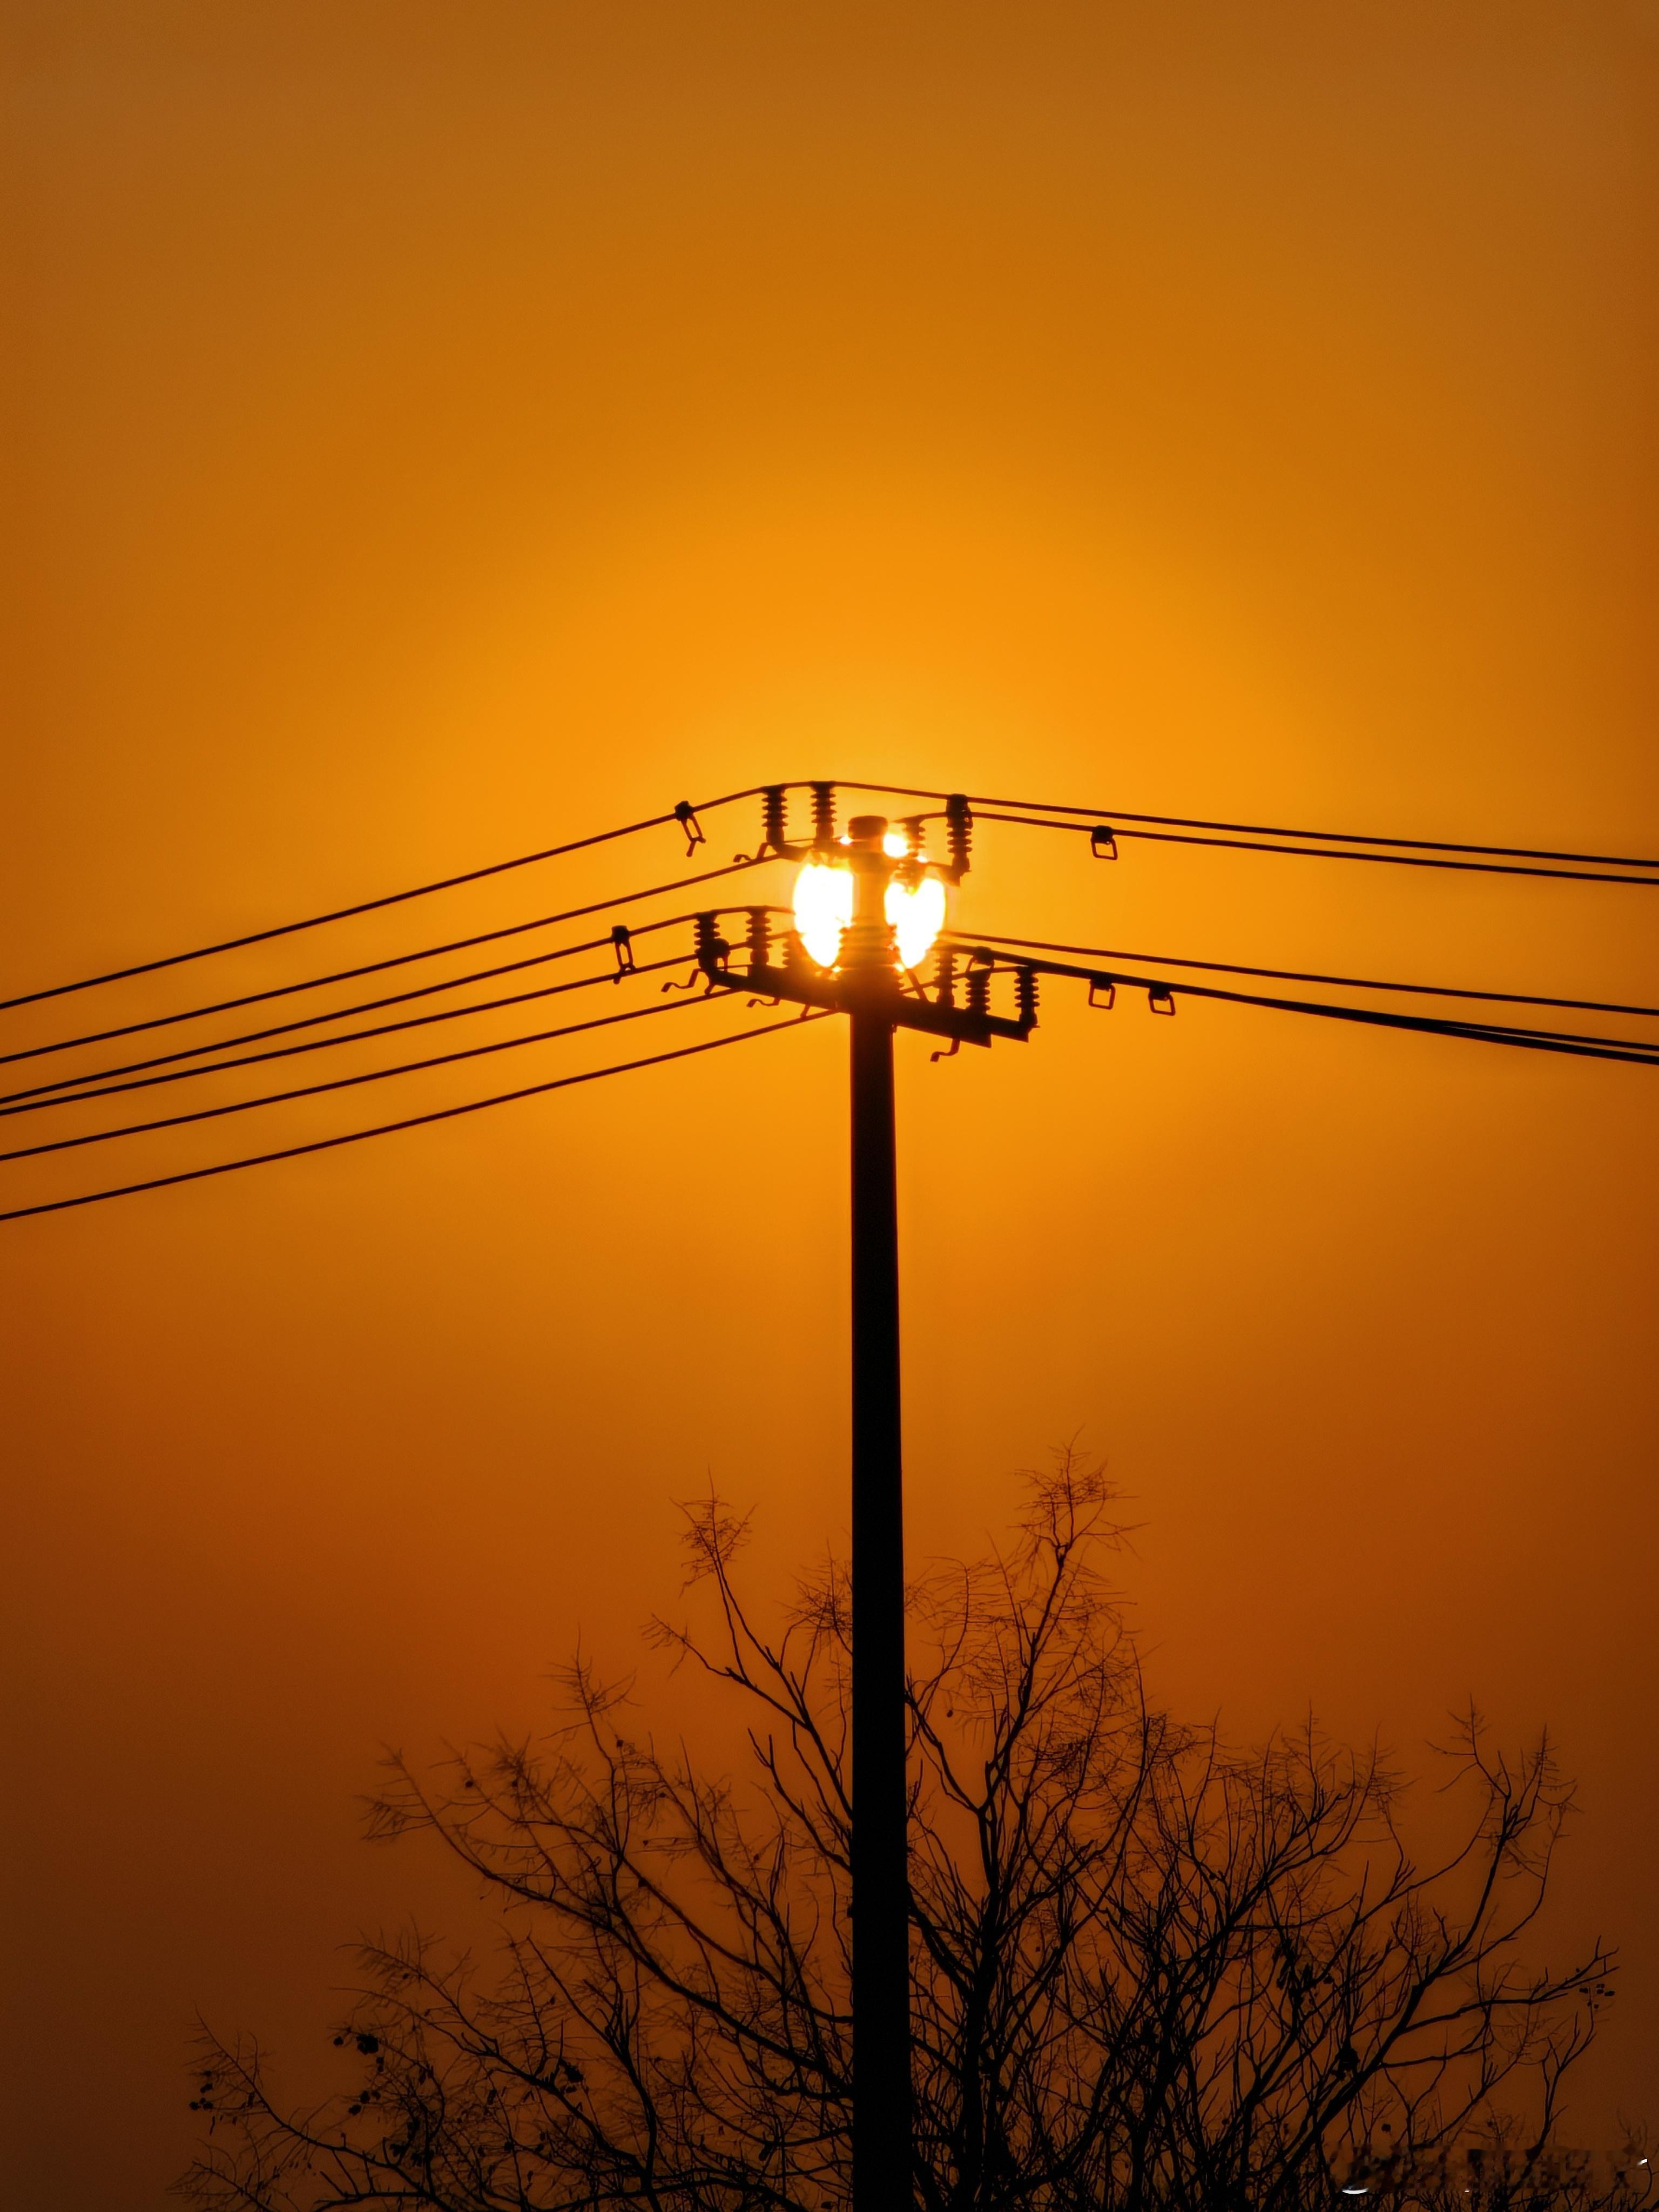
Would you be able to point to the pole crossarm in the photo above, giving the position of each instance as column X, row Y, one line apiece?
column 775, row 843
column 795, row 981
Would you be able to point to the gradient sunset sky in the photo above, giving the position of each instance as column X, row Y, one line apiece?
column 443, row 429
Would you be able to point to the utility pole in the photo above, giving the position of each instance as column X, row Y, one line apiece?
column 881, row 1885
column 860, row 976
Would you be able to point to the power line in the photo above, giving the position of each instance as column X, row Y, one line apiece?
column 1577, row 1045
column 380, row 967
column 35, row 1104
column 64, row 1088
column 413, row 1121
column 1311, row 852
column 679, row 813
column 686, row 813
column 1302, row 975
column 1324, row 836
column 344, row 1082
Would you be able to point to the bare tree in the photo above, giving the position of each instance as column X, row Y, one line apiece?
column 1148, row 1971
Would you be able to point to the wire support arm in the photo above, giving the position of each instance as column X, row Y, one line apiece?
column 971, row 1024
column 776, row 842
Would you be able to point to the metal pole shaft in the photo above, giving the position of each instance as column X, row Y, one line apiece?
column 881, row 1980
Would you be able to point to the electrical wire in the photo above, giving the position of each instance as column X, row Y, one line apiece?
column 373, row 905
column 380, row 967
column 67, row 1087
column 1233, row 832
column 1330, row 852
column 413, row 1121
column 1303, row 976
column 1573, row 1043
column 887, row 790
column 1108, row 814
column 35, row 1105
column 345, row 1082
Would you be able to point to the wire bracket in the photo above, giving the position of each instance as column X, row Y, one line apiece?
column 1096, row 984
column 1161, row 998
column 1103, row 842
column 686, row 815
column 622, row 943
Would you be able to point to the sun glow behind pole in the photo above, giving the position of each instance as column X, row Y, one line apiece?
column 914, row 910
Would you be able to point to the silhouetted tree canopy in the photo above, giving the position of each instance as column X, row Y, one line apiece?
column 1149, row 1971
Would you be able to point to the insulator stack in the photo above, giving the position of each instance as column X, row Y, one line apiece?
column 945, row 980
column 760, row 938
column 1025, row 996
column 772, row 818
column 979, row 990
column 823, row 814
column 712, row 947
column 959, row 834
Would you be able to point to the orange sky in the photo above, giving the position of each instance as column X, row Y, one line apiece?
column 445, row 428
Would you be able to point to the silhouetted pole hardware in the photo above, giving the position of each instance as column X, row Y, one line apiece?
column 849, row 891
